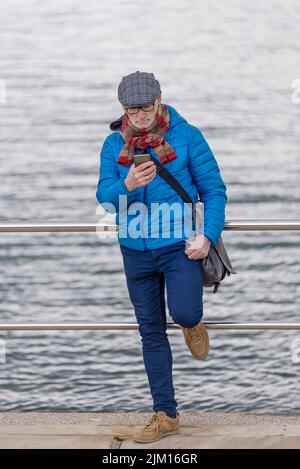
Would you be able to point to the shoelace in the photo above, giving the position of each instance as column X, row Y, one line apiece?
column 193, row 333
column 155, row 421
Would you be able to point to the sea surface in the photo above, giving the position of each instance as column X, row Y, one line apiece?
column 231, row 68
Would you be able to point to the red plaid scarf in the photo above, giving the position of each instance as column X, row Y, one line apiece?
column 152, row 137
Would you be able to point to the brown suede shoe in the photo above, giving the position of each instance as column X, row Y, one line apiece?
column 160, row 425
column 197, row 340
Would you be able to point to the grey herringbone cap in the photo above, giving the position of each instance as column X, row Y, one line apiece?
column 138, row 89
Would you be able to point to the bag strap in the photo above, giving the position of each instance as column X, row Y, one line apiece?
column 164, row 173
column 220, row 248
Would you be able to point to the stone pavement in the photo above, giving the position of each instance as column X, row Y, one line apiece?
column 100, row 430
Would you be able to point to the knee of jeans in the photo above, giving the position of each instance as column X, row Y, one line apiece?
column 185, row 319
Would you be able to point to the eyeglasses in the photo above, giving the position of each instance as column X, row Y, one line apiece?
column 135, row 110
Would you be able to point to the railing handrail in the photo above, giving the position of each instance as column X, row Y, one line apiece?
column 90, row 226
column 213, row 325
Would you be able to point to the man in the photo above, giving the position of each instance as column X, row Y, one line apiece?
column 161, row 254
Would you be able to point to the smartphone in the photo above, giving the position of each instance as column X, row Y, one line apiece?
column 142, row 158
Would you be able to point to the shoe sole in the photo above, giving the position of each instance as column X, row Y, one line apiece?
column 173, row 432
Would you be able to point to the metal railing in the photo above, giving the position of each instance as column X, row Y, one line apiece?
column 62, row 226
column 232, row 326
column 88, row 226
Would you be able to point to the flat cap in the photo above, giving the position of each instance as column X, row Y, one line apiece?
column 138, row 89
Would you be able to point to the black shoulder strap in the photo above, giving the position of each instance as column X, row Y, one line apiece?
column 162, row 171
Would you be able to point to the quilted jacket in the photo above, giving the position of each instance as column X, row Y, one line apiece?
column 142, row 225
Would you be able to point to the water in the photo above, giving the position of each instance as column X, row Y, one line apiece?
column 227, row 67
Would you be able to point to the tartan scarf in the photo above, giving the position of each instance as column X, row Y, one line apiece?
column 151, row 137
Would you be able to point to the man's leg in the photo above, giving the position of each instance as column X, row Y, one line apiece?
column 184, row 278
column 184, row 281
column 146, row 291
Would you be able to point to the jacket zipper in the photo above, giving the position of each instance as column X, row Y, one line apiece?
column 144, row 240
column 144, row 197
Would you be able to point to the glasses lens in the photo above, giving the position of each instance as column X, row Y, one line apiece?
column 148, row 108
column 132, row 110
column 135, row 110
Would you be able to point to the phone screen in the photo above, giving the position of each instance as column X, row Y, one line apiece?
column 139, row 159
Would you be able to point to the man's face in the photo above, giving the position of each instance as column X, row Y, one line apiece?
column 144, row 119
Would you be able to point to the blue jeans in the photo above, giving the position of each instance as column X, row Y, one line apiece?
column 147, row 272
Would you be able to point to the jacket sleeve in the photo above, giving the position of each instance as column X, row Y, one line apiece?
column 110, row 185
column 210, row 185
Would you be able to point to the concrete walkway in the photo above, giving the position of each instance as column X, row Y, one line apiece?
column 99, row 430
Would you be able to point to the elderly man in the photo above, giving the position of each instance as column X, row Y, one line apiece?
column 162, row 254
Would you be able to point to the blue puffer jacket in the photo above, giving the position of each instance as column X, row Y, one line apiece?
column 195, row 168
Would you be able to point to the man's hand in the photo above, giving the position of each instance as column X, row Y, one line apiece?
column 140, row 176
column 199, row 247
